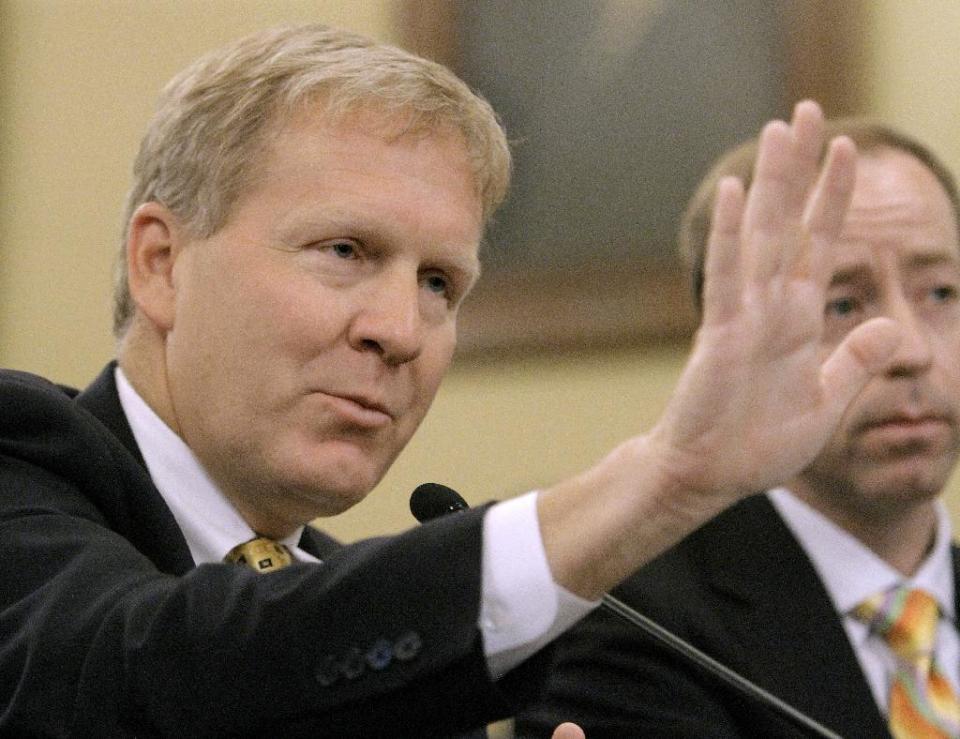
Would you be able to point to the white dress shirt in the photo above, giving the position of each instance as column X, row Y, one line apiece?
column 851, row 573
column 522, row 608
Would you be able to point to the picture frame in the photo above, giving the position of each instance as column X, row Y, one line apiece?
column 615, row 109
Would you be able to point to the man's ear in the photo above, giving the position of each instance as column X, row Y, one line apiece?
column 155, row 239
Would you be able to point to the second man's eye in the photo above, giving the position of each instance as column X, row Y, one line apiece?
column 841, row 306
column 944, row 293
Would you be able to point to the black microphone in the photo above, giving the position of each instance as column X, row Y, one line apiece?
column 432, row 500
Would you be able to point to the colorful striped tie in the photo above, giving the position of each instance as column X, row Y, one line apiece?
column 922, row 703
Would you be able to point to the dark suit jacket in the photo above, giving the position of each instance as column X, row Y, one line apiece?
column 742, row 590
column 108, row 629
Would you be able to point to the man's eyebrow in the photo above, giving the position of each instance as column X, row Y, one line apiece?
column 849, row 274
column 933, row 259
column 297, row 224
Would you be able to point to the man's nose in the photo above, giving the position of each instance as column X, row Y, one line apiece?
column 389, row 320
column 915, row 354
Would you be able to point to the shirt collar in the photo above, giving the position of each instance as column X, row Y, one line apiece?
column 850, row 571
column 210, row 523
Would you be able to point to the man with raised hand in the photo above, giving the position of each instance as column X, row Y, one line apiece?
column 304, row 223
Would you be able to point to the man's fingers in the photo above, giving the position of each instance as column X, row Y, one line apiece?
column 866, row 351
column 723, row 263
column 807, row 130
column 828, row 207
column 767, row 205
column 787, row 162
column 568, row 731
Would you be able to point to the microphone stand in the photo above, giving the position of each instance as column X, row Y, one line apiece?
column 432, row 500
column 721, row 671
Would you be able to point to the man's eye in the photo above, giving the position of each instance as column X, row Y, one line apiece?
column 437, row 284
column 944, row 293
column 841, row 306
column 344, row 250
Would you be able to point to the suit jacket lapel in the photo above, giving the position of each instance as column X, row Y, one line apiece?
column 786, row 624
column 141, row 515
column 102, row 400
column 317, row 543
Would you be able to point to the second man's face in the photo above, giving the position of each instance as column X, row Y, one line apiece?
column 899, row 256
column 312, row 330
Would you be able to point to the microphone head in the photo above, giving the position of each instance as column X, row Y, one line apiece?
column 432, row 500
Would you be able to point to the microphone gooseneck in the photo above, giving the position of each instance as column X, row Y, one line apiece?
column 432, row 500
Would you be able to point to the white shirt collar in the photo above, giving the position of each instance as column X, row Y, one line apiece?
column 209, row 522
column 850, row 571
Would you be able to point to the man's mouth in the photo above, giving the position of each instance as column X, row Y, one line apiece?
column 898, row 429
column 358, row 409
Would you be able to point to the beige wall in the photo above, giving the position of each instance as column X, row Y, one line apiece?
column 78, row 81
column 914, row 80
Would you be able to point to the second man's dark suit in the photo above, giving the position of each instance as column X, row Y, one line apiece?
column 742, row 590
column 108, row 629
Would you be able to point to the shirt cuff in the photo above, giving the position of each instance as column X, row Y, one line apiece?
column 522, row 608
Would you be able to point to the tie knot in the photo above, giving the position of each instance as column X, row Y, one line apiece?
column 261, row 554
column 906, row 619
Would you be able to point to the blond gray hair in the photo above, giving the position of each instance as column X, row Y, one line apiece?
column 210, row 125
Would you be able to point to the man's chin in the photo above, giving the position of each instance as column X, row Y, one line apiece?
column 331, row 493
column 328, row 478
column 333, row 503
column 908, row 481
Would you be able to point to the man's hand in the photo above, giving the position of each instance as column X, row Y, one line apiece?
column 758, row 398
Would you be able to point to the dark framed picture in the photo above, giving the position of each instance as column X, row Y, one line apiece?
column 615, row 110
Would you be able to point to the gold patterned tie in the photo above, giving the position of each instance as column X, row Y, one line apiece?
column 922, row 703
column 261, row 554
